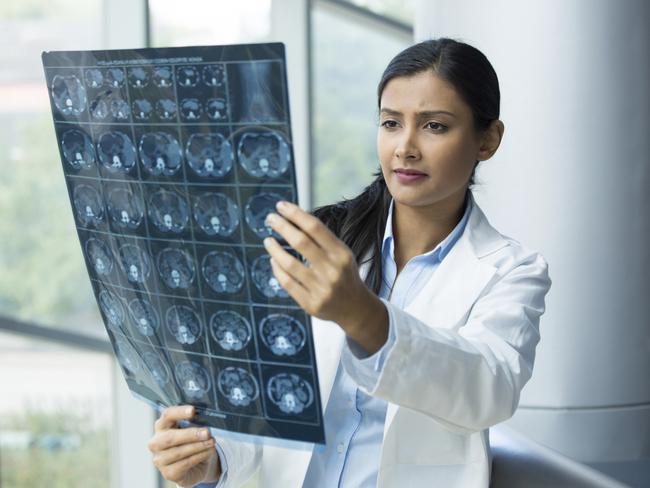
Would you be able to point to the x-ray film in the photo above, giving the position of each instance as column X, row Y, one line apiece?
column 173, row 158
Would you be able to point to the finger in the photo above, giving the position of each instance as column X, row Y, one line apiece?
column 178, row 470
column 295, row 237
column 310, row 225
column 292, row 287
column 175, row 454
column 176, row 437
column 288, row 263
column 171, row 415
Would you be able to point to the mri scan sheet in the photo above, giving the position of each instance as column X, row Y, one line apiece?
column 173, row 158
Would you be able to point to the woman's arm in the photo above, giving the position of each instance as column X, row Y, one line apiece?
column 471, row 378
column 239, row 462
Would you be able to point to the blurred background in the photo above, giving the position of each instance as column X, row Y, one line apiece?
column 570, row 179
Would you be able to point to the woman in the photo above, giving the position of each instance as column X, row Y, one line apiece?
column 432, row 335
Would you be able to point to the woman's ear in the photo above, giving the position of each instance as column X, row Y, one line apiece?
column 490, row 140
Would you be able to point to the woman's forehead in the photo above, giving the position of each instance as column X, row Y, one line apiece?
column 424, row 91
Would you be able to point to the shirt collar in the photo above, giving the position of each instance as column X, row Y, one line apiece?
column 442, row 249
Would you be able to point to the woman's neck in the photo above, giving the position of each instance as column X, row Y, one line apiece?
column 417, row 230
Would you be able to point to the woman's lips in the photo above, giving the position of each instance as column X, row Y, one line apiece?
column 409, row 176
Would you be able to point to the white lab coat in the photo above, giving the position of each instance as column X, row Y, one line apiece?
column 464, row 349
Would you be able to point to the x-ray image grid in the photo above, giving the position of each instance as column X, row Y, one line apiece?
column 173, row 158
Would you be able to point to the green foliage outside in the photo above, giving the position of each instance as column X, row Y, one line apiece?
column 43, row 275
column 87, row 464
column 348, row 63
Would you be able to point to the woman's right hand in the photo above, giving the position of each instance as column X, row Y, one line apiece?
column 184, row 456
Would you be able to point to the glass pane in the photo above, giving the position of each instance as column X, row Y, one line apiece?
column 197, row 22
column 55, row 415
column 345, row 108
column 43, row 275
column 401, row 10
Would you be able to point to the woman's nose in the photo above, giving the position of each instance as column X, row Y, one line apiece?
column 407, row 147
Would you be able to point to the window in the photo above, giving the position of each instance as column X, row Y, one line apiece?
column 348, row 60
column 43, row 275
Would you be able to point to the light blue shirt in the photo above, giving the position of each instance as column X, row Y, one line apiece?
column 354, row 421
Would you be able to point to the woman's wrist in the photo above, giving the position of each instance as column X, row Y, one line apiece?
column 214, row 469
column 368, row 325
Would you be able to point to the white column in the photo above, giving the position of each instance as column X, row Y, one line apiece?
column 290, row 24
column 133, row 427
column 572, row 180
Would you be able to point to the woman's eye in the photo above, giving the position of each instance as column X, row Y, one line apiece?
column 435, row 126
column 389, row 124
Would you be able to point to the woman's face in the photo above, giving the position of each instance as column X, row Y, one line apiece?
column 414, row 135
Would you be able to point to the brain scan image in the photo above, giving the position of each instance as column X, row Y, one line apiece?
column 99, row 107
column 223, row 272
column 162, row 76
column 94, row 78
column 265, row 280
column 166, row 109
column 282, row 334
column 77, row 149
column 125, row 208
column 216, row 108
column 114, row 77
column 193, row 378
column 290, row 393
column 238, row 386
column 138, row 77
column 142, row 109
column 119, row 108
column 160, row 154
column 173, row 158
column 214, row 75
column 256, row 210
column 112, row 308
column 184, row 324
column 144, row 316
column 68, row 94
column 187, row 76
column 175, row 268
column 231, row 330
column 127, row 355
column 168, row 212
column 100, row 256
column 109, row 102
column 158, row 369
column 116, row 151
column 209, row 155
column 191, row 109
column 135, row 262
column 264, row 154
column 216, row 214
column 88, row 205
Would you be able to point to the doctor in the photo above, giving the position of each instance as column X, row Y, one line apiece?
column 425, row 317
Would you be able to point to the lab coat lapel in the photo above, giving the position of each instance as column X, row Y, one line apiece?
column 454, row 287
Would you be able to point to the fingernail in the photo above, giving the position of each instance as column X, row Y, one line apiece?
column 281, row 205
column 270, row 218
column 203, row 434
column 189, row 410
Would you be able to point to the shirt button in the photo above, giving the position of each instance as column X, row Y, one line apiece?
column 340, row 448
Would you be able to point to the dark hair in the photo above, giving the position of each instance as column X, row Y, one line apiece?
column 360, row 222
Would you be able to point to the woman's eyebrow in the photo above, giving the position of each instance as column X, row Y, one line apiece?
column 421, row 115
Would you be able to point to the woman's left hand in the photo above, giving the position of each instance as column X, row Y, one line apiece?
column 329, row 286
